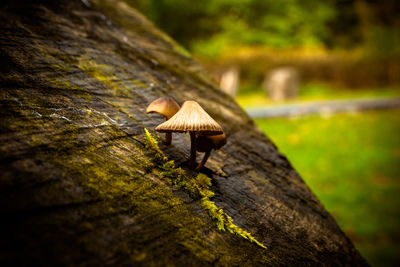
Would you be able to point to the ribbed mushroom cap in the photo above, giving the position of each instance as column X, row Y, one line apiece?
column 165, row 106
column 191, row 118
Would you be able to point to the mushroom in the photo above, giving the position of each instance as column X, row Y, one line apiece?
column 194, row 119
column 207, row 143
column 167, row 107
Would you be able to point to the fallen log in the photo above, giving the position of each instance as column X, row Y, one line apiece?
column 82, row 184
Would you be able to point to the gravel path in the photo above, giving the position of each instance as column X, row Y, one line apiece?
column 324, row 107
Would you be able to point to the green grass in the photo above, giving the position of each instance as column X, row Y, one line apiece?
column 251, row 97
column 352, row 163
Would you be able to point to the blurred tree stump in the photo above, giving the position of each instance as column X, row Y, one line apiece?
column 77, row 184
column 282, row 84
column 229, row 82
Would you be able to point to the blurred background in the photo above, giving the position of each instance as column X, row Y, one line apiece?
column 322, row 80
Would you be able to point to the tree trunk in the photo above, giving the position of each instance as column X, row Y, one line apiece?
column 78, row 186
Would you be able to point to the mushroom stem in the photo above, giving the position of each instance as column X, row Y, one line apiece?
column 168, row 138
column 192, row 160
column 204, row 160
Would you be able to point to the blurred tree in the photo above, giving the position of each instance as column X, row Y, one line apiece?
column 207, row 26
column 380, row 25
column 345, row 27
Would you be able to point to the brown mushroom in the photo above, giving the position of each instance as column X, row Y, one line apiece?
column 194, row 119
column 167, row 107
column 207, row 143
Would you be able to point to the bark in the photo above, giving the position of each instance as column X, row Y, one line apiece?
column 77, row 185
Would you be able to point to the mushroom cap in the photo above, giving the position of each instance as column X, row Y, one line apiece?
column 205, row 143
column 165, row 106
column 218, row 141
column 191, row 118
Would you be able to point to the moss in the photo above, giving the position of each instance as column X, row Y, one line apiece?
column 138, row 83
column 101, row 72
column 58, row 63
column 197, row 188
column 128, row 23
column 65, row 84
column 225, row 222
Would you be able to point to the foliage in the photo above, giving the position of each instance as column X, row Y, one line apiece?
column 258, row 35
column 197, row 188
column 220, row 23
column 352, row 164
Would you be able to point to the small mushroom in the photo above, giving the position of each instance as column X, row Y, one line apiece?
column 194, row 119
column 167, row 107
column 206, row 144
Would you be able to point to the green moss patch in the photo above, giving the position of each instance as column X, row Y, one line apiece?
column 197, row 188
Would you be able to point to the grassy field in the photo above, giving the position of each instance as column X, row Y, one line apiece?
column 352, row 163
column 252, row 97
